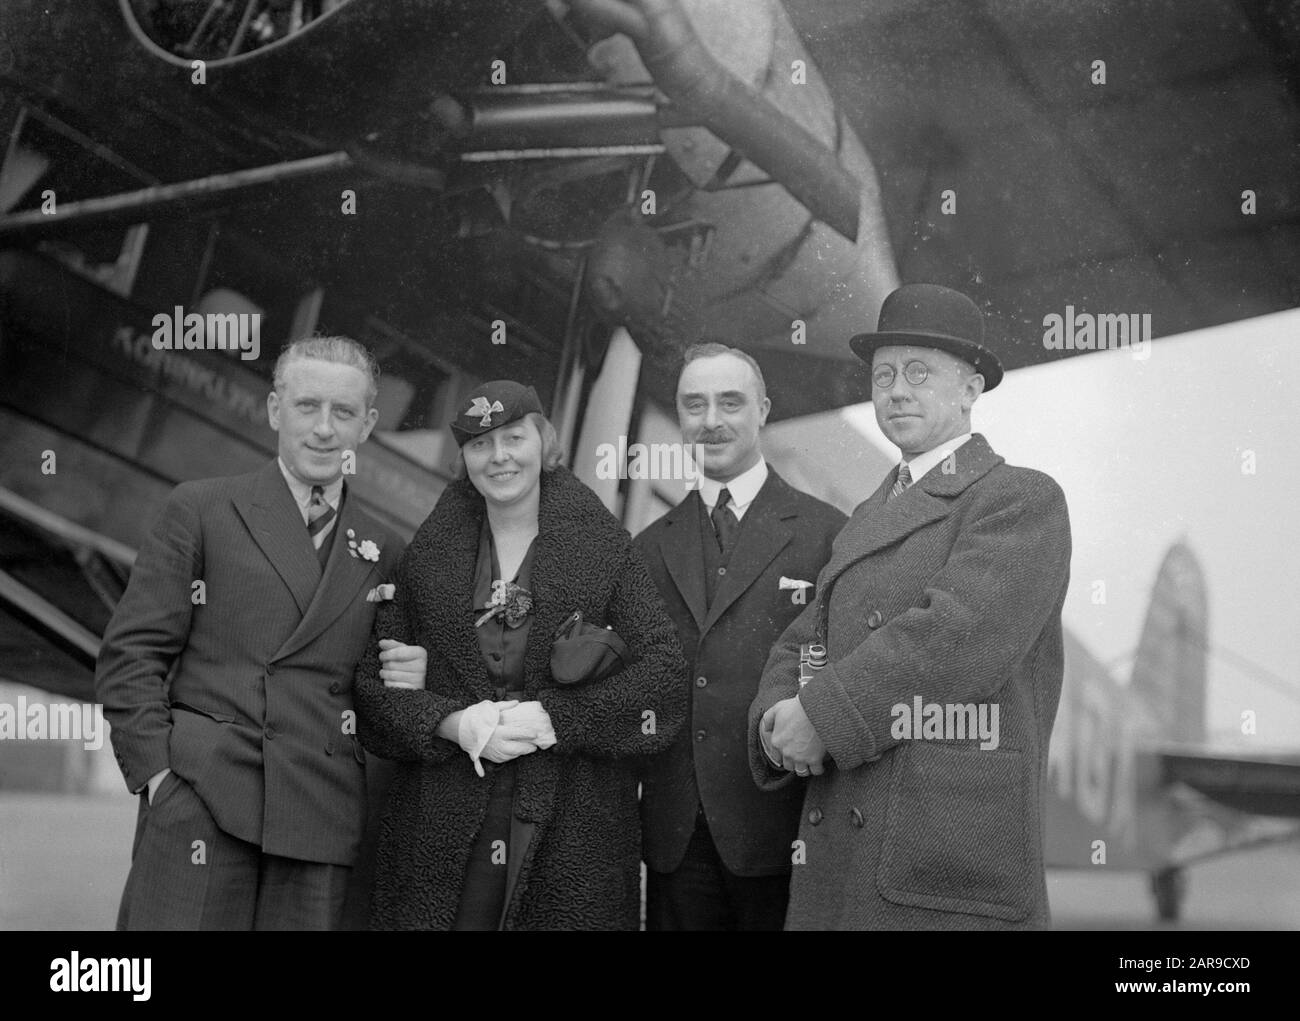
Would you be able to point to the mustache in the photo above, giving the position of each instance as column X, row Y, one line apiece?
column 714, row 436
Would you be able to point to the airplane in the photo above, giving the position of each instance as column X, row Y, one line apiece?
column 568, row 222
column 1133, row 783
column 475, row 190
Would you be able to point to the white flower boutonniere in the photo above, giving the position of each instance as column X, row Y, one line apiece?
column 365, row 549
column 798, row 589
column 381, row 594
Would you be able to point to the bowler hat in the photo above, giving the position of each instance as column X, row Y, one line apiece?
column 927, row 315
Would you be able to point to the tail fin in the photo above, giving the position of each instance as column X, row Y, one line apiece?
column 1169, row 671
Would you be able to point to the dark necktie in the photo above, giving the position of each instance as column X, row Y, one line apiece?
column 724, row 521
column 319, row 516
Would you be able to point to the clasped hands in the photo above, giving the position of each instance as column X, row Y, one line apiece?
column 790, row 741
column 496, row 731
column 500, row 731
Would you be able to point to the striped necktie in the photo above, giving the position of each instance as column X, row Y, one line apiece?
column 903, row 481
column 320, row 515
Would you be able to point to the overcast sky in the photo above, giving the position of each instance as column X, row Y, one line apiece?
column 1150, row 452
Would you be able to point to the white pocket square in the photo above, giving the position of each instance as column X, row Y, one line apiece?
column 381, row 593
column 793, row 583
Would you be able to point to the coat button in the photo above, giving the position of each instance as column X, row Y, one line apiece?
column 856, row 816
column 329, row 749
column 335, row 688
column 874, row 619
column 269, row 731
column 700, row 682
column 270, row 669
column 722, row 570
column 700, row 735
column 815, row 816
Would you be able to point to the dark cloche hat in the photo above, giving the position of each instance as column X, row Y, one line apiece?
column 491, row 406
column 927, row 315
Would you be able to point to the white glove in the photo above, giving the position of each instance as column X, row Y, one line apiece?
column 533, row 716
column 483, row 734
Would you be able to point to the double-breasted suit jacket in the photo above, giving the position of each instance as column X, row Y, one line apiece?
column 949, row 593
column 784, row 533
column 242, row 684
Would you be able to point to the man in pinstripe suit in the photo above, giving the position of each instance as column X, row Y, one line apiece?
column 226, row 671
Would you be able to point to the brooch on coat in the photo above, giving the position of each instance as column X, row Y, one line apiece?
column 508, row 601
column 365, row 549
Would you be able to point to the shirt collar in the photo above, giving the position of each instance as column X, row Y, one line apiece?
column 922, row 463
column 743, row 488
column 302, row 491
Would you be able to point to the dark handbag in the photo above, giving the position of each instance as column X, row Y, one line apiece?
column 583, row 652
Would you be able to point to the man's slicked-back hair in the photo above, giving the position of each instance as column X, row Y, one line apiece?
column 341, row 351
column 712, row 349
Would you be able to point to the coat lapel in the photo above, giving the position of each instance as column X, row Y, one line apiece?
column 768, row 527
column 684, row 556
column 455, row 560
column 275, row 523
column 342, row 581
column 551, row 582
column 881, row 521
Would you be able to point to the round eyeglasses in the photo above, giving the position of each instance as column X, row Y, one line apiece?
column 915, row 372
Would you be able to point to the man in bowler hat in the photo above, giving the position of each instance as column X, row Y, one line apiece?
column 943, row 594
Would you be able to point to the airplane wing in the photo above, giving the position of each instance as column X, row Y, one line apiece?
column 1266, row 784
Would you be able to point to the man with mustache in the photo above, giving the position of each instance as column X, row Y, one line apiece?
column 945, row 588
column 718, row 851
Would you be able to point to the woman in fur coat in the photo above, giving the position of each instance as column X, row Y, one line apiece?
column 514, row 803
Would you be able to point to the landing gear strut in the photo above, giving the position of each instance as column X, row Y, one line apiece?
column 1169, row 886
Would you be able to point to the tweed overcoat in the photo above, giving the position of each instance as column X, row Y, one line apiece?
column 949, row 593
column 581, row 870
